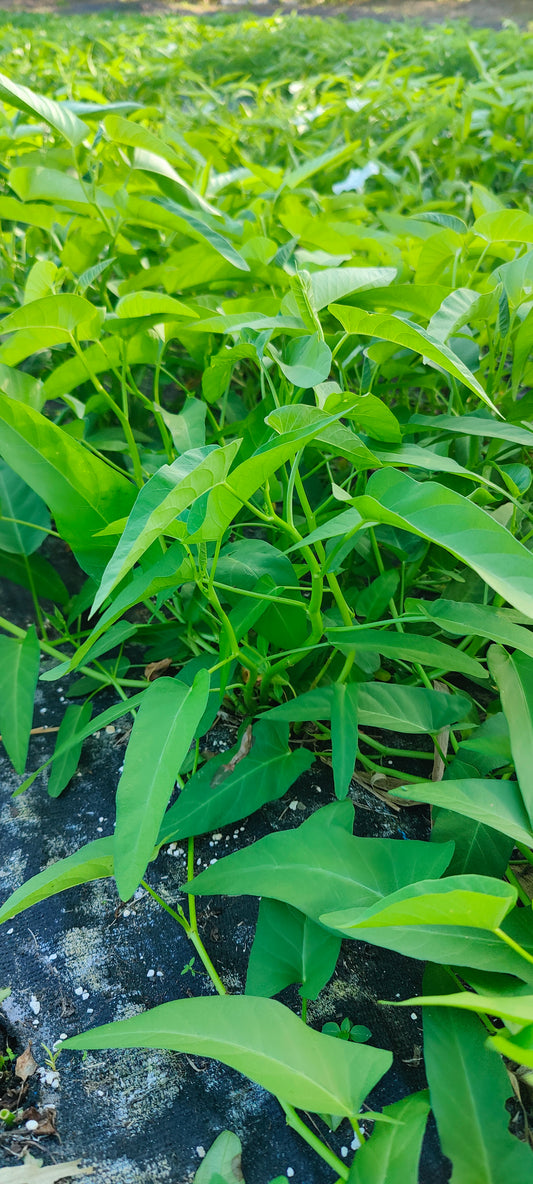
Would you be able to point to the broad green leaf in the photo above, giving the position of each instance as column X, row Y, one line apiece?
column 165, row 214
column 336, row 438
column 19, row 502
column 413, row 456
column 320, row 866
column 367, row 412
column 505, row 226
column 40, row 280
column 61, row 313
column 150, row 304
column 56, row 115
column 83, row 493
column 332, row 283
column 220, row 793
column 28, row 570
column 19, row 671
column 94, row 861
column 289, row 948
column 166, row 495
column 469, row 1087
column 473, row 901
column 514, row 677
column 75, row 719
column 222, row 1164
column 461, row 308
column 409, row 336
column 188, row 427
column 306, row 362
column 475, row 425
column 498, row 804
column 391, row 1154
column 372, row 602
column 468, row 532
column 479, row 620
column 398, row 708
column 410, row 647
column 259, row 1038
column 517, row 1047
column 162, row 734
column 344, row 737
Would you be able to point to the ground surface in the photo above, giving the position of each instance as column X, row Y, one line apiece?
column 479, row 12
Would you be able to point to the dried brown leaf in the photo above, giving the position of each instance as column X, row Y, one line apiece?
column 25, row 1064
column 33, row 1172
column 155, row 669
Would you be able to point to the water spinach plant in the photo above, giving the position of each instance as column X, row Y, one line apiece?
column 274, row 395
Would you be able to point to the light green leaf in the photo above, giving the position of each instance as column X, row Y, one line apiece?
column 516, row 1008
column 153, row 304
column 18, row 501
column 399, row 708
column 188, row 427
column 514, row 676
column 479, row 620
column 476, row 902
column 475, row 425
column 392, row 1153
column 170, row 491
column 498, row 804
column 409, row 647
column 222, row 1164
column 161, row 737
column 307, row 361
column 94, row 861
column 518, row 1047
column 74, row 721
column 505, row 226
column 320, row 866
column 56, row 115
column 332, row 283
column 220, row 792
column 259, row 1038
column 344, row 738
column 19, row 671
column 289, row 948
column 165, row 214
column 62, row 313
column 469, row 1087
column 409, row 336
column 468, row 532
column 83, row 493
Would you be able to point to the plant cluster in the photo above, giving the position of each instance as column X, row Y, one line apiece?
column 266, row 370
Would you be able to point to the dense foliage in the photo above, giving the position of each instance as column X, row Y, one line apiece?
column 267, row 297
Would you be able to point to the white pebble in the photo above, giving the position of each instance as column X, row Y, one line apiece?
column 150, row 973
column 99, row 829
column 42, row 711
column 217, row 837
column 100, row 1093
column 10, row 931
column 90, row 1010
column 159, row 973
column 290, row 1172
column 63, row 1036
column 35, row 1023
column 212, row 860
column 101, row 819
column 344, row 1152
column 78, row 990
column 35, row 1006
column 52, row 957
column 31, row 1124
column 126, row 913
column 355, row 1143
column 414, row 1015
column 85, row 995
column 200, row 1151
column 293, row 805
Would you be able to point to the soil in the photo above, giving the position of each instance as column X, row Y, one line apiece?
column 480, row 13
column 141, row 1117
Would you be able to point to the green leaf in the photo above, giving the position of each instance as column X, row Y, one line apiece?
column 344, row 739
column 83, row 493
column 320, row 866
column 62, row 313
column 163, row 731
column 166, row 495
column 475, row 425
column 332, row 283
column 514, row 676
column 307, row 361
column 469, row 1087
column 18, row 501
column 165, row 214
column 505, row 226
column 479, row 620
column 259, row 1038
column 289, row 948
column 34, row 570
column 221, row 791
column 222, row 1164
column 56, row 115
column 75, row 719
column 473, row 901
column 468, row 532
column 373, row 600
column 19, row 671
column 398, row 708
column 391, row 1154
column 188, row 427
column 115, row 636
column 498, row 804
column 410, row 647
column 94, row 861
column 150, row 304
column 409, row 336
column 517, row 1008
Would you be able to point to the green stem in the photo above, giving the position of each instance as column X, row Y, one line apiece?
column 192, row 935
column 510, row 876
column 298, row 1125
column 513, row 944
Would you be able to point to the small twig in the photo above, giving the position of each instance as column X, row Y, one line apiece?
column 40, row 731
